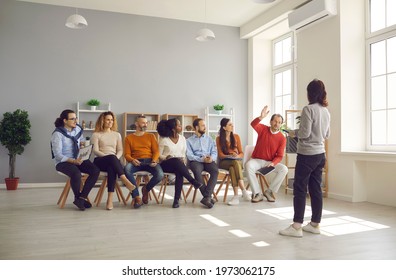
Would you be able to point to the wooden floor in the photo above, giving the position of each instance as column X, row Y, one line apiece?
column 33, row 227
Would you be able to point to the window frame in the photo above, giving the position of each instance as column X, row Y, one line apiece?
column 290, row 65
column 372, row 38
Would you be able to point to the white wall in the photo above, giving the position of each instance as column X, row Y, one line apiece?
column 334, row 51
column 139, row 64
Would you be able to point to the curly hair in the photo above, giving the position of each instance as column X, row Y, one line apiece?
column 99, row 126
column 165, row 127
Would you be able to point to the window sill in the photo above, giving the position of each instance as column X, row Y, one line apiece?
column 371, row 155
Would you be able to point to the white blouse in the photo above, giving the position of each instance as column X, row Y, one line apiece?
column 168, row 148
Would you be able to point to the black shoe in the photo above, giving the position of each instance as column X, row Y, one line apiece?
column 175, row 204
column 213, row 201
column 206, row 201
column 79, row 202
column 87, row 204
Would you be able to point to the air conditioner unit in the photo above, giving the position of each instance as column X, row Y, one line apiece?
column 313, row 11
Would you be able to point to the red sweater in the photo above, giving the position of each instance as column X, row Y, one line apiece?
column 269, row 146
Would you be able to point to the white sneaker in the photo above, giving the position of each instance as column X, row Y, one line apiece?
column 234, row 201
column 291, row 231
column 245, row 196
column 269, row 196
column 310, row 228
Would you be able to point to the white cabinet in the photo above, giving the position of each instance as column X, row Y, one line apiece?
column 87, row 117
column 213, row 118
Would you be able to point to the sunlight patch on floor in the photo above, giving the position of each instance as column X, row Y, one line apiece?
column 239, row 233
column 214, row 220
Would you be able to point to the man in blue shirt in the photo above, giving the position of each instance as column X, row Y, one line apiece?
column 202, row 155
column 65, row 145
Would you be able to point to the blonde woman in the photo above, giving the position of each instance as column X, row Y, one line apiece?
column 107, row 147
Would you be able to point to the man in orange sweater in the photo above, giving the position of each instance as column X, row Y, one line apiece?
column 141, row 153
column 268, row 152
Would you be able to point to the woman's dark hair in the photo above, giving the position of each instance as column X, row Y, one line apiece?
column 317, row 93
column 222, row 135
column 64, row 115
column 165, row 127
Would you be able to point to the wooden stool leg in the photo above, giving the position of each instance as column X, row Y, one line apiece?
column 99, row 195
column 120, row 195
column 64, row 194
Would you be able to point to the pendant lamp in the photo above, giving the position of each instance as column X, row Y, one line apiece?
column 76, row 21
column 205, row 34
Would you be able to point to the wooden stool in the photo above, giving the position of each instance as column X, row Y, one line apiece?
column 66, row 189
column 103, row 186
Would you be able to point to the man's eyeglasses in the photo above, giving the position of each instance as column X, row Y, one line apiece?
column 72, row 119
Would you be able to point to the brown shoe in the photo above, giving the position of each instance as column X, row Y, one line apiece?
column 137, row 202
column 145, row 195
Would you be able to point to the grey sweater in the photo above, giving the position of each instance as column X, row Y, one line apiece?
column 314, row 129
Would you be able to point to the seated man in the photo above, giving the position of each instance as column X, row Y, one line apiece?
column 141, row 153
column 202, row 155
column 268, row 151
column 65, row 144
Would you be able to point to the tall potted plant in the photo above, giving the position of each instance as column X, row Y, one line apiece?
column 14, row 135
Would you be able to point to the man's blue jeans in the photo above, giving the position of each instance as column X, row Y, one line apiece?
column 156, row 172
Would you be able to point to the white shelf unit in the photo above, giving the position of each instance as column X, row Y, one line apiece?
column 84, row 113
column 212, row 120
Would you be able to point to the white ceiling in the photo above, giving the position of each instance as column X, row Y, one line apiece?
column 222, row 12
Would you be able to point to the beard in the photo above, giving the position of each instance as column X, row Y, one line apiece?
column 201, row 132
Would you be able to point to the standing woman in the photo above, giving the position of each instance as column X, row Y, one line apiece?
column 107, row 147
column 172, row 149
column 311, row 159
column 65, row 145
column 229, row 149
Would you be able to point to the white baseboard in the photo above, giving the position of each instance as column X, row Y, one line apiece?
column 36, row 185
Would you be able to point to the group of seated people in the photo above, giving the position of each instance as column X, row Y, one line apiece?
column 173, row 153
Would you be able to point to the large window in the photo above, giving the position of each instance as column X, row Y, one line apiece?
column 283, row 73
column 381, row 46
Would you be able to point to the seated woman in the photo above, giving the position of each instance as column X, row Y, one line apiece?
column 172, row 148
column 229, row 150
column 107, row 147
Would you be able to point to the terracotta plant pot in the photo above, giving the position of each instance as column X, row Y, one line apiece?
column 11, row 183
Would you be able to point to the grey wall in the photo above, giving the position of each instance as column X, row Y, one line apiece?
column 139, row 64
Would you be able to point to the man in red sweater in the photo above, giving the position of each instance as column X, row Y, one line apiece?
column 268, row 152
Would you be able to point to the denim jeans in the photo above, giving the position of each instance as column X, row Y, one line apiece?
column 308, row 173
column 156, row 172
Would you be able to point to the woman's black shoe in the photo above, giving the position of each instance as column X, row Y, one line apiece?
column 175, row 204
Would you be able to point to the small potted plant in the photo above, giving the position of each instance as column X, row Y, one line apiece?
column 93, row 103
column 14, row 135
column 218, row 108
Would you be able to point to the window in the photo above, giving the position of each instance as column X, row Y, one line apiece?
column 283, row 71
column 381, row 46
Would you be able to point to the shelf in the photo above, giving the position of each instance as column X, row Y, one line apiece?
column 130, row 119
column 185, row 120
column 212, row 121
column 90, row 116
